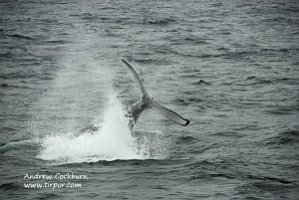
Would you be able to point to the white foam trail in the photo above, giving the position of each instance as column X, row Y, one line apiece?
column 112, row 141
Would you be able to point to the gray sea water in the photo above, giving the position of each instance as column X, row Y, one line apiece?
column 231, row 67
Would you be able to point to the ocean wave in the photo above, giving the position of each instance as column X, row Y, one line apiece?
column 20, row 36
column 202, row 82
column 195, row 40
column 255, row 80
column 255, row 192
column 160, row 22
column 124, row 162
column 187, row 101
column 278, row 20
column 231, row 134
column 22, row 75
column 279, row 50
column 285, row 109
column 152, row 61
column 19, row 145
column 6, row 55
column 5, row 85
column 189, row 75
column 10, row 186
column 227, row 55
column 88, row 16
column 186, row 140
column 57, row 41
column 180, row 101
column 287, row 137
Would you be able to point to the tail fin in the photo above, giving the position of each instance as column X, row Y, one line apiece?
column 169, row 114
column 144, row 92
column 148, row 102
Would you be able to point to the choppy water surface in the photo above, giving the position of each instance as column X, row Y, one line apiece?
column 232, row 67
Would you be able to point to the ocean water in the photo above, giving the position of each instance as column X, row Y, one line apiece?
column 231, row 67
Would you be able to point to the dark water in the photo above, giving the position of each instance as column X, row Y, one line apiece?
column 232, row 67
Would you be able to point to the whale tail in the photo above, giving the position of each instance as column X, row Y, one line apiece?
column 148, row 102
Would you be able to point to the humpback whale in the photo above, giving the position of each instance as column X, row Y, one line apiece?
column 134, row 113
column 148, row 102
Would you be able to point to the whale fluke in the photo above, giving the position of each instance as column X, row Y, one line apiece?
column 148, row 102
column 169, row 114
column 144, row 92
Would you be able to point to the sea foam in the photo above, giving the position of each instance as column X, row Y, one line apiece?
column 112, row 141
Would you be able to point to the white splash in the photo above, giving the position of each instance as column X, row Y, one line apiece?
column 112, row 141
